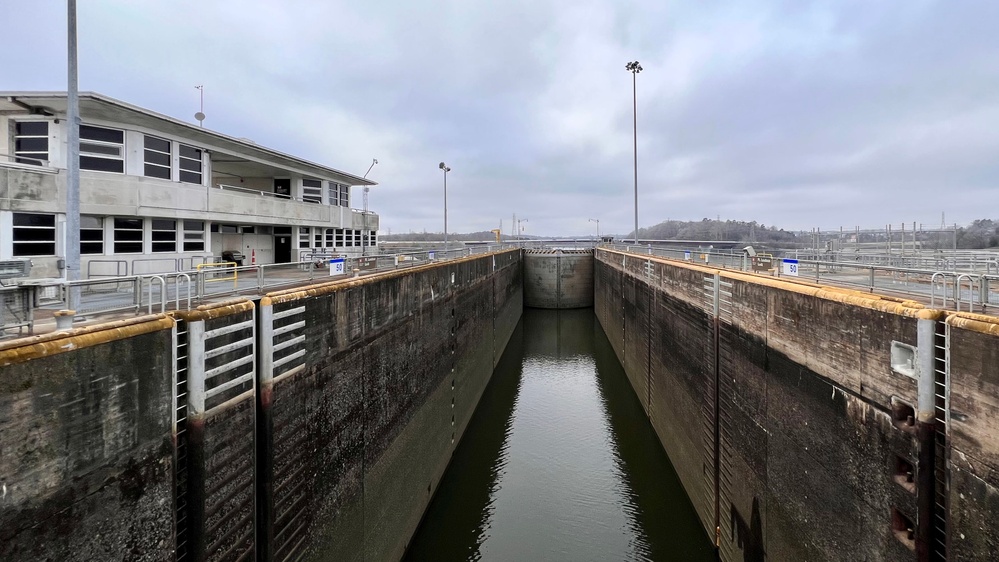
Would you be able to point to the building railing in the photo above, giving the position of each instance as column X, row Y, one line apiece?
column 36, row 164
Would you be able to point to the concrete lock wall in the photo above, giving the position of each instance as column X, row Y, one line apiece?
column 86, row 454
column 790, row 428
column 372, row 384
column 973, row 495
column 558, row 278
column 313, row 426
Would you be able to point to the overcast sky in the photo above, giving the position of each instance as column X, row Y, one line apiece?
column 799, row 114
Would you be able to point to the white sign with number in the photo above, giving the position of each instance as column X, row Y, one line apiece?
column 337, row 267
column 790, row 267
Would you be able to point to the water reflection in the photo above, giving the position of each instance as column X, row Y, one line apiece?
column 559, row 462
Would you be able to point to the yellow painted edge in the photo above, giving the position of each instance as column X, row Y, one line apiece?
column 975, row 322
column 215, row 310
column 26, row 349
column 298, row 293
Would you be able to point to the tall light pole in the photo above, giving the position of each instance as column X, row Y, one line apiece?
column 520, row 230
column 445, row 169
column 634, row 68
column 598, row 226
column 72, row 235
column 365, row 213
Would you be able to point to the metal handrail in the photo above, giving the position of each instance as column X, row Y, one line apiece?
column 176, row 284
column 959, row 294
column 41, row 161
column 163, row 292
column 933, row 287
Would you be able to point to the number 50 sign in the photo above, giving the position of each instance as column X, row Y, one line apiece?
column 790, row 267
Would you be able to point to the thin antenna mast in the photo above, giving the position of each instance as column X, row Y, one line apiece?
column 200, row 116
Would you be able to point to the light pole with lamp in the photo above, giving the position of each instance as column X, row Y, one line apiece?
column 365, row 211
column 445, row 169
column 634, row 68
column 598, row 226
column 520, row 230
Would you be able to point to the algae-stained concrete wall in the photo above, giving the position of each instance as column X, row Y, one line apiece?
column 86, row 459
column 218, row 515
column 973, row 496
column 773, row 403
column 364, row 422
column 558, row 278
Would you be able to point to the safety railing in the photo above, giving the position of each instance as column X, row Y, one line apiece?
column 16, row 311
column 182, row 290
column 959, row 290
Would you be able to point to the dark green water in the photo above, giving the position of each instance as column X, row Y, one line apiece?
column 559, row 462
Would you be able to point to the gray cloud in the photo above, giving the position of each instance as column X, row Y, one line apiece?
column 798, row 114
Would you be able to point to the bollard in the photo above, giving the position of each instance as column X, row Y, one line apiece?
column 64, row 319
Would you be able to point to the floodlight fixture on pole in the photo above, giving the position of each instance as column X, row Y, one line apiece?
column 634, row 68
column 373, row 162
column 445, row 169
column 598, row 226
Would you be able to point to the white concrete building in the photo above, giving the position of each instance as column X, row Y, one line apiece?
column 159, row 195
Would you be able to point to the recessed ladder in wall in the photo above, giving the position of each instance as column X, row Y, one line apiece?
column 180, row 451
column 941, row 391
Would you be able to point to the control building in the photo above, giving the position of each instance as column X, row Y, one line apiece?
column 159, row 195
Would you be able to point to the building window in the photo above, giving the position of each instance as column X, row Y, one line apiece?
column 312, row 191
column 164, row 234
column 102, row 150
column 329, row 237
column 339, row 194
column 31, row 142
column 339, row 237
column 91, row 235
column 156, row 157
column 194, row 236
column 34, row 235
column 190, row 164
column 127, row 236
column 303, row 237
column 317, row 237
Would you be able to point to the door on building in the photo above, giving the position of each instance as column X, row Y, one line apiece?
column 282, row 248
column 282, row 187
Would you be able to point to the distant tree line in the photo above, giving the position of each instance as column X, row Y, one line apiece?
column 480, row 236
column 708, row 229
column 980, row 234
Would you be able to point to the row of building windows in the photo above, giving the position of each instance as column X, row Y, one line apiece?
column 103, row 150
column 35, row 235
column 334, row 238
